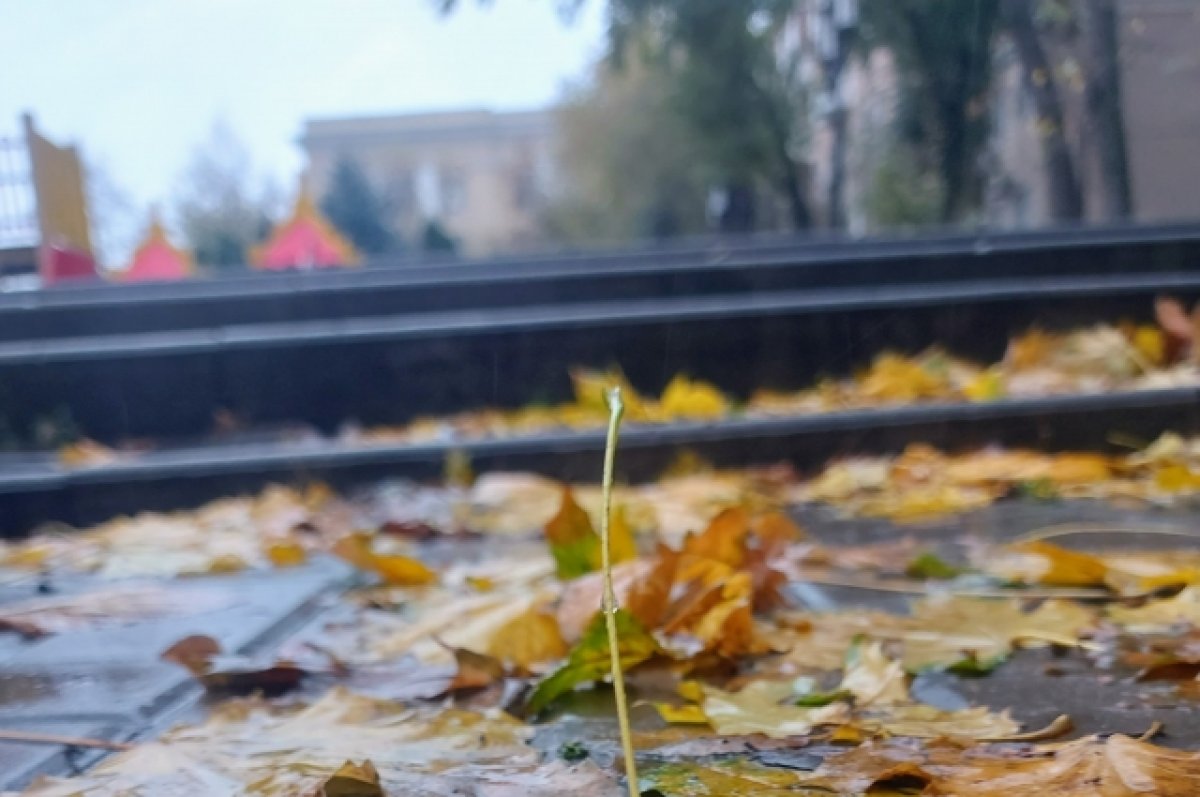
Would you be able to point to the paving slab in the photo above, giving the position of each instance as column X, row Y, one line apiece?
column 107, row 681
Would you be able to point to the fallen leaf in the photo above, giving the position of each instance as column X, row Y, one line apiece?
column 727, row 778
column 392, row 569
column 766, row 707
column 930, row 566
column 692, row 400
column 1160, row 615
column 873, row 678
column 687, row 714
column 475, row 670
column 529, row 640
column 248, row 747
column 589, row 661
column 353, row 780
column 724, row 540
column 946, row 630
column 1044, row 563
column 193, row 653
column 286, row 554
column 576, row 546
column 928, row 722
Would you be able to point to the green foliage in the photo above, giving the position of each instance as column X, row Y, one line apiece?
column 220, row 213
column 434, row 238
column 631, row 170
column 943, row 54
column 589, row 660
column 901, row 194
column 931, row 566
column 356, row 210
column 740, row 108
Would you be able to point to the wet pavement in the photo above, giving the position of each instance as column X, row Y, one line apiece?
column 107, row 682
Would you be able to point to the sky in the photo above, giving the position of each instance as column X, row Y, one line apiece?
column 139, row 84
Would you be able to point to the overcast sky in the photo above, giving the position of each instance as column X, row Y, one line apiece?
column 139, row 83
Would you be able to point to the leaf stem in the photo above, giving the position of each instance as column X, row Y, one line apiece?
column 616, row 409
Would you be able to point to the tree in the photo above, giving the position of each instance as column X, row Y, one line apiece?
column 356, row 210
column 220, row 214
column 116, row 224
column 1105, row 120
column 740, row 107
column 434, row 238
column 629, row 165
column 1062, row 176
column 943, row 52
column 840, row 23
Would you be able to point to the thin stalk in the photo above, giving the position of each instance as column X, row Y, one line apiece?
column 615, row 410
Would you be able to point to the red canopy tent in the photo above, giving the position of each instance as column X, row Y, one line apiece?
column 156, row 259
column 306, row 240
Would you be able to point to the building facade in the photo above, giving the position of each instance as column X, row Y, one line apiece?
column 483, row 176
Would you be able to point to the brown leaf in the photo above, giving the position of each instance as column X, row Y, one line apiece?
column 1173, row 318
column 353, row 780
column 194, row 653
column 475, row 670
column 27, row 629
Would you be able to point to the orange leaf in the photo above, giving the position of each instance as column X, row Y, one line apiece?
column 650, row 596
column 286, row 554
column 776, row 528
column 724, row 540
column 402, row 571
column 573, row 542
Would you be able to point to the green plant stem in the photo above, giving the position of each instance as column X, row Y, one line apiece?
column 615, row 410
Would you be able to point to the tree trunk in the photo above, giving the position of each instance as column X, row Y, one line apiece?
column 1066, row 197
column 1106, row 123
column 837, row 170
column 738, row 214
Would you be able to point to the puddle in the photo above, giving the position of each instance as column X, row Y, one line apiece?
column 21, row 691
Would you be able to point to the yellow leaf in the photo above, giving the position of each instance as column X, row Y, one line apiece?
column 402, row 571
column 765, row 707
column 1044, row 563
column 1151, row 343
column 932, row 723
column 986, row 386
column 893, row 378
column 1176, row 477
column 286, row 554
column 1161, row 615
column 394, row 570
column 353, row 780
column 692, row 400
column 873, row 678
column 944, row 630
column 227, row 563
column 727, row 778
column 532, row 638
column 691, row 691
column 689, row 714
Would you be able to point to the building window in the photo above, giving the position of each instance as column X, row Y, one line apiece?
column 454, row 191
column 525, row 189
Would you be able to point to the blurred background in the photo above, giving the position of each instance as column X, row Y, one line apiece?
column 244, row 241
column 520, row 125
